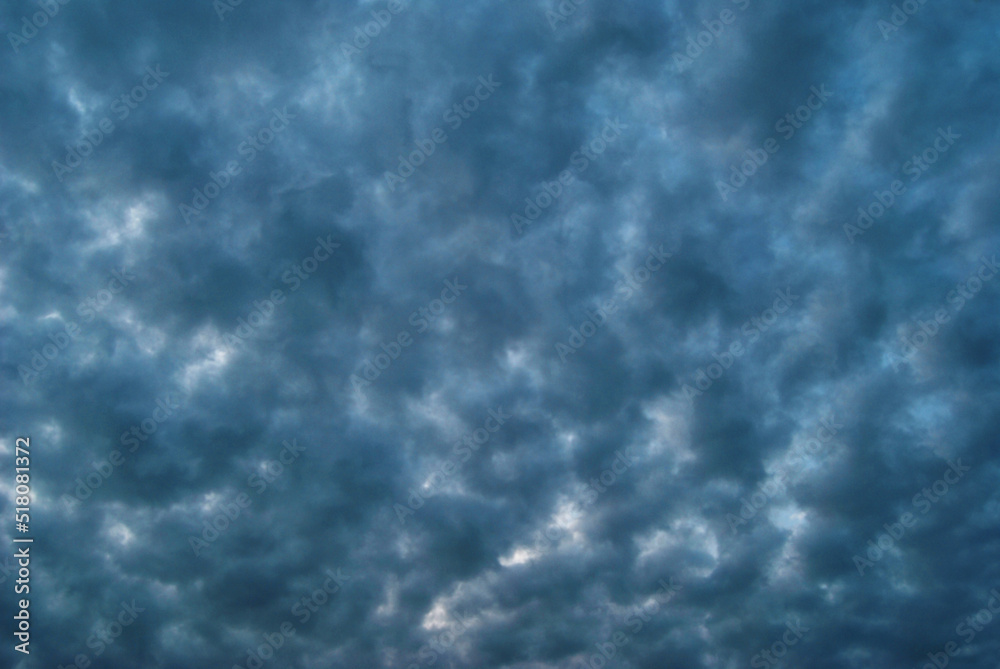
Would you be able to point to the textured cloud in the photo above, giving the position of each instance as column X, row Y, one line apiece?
column 534, row 335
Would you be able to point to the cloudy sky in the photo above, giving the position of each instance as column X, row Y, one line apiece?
column 647, row 334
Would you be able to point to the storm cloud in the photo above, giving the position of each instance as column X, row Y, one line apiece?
column 541, row 334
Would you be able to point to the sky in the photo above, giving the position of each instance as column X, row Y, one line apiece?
column 502, row 335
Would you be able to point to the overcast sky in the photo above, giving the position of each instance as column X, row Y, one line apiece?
column 646, row 334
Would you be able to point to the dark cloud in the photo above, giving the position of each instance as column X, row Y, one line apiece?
column 664, row 419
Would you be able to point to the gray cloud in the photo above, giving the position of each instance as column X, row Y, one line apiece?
column 304, row 267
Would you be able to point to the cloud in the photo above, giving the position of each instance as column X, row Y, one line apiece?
column 304, row 267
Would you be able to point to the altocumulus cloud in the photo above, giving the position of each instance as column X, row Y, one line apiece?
column 511, row 560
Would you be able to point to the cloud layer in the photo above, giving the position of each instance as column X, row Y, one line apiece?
column 529, row 335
